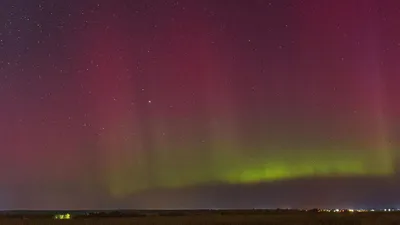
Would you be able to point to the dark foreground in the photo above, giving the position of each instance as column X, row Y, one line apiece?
column 210, row 217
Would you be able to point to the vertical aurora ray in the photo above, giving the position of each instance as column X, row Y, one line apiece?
column 378, row 104
column 113, row 116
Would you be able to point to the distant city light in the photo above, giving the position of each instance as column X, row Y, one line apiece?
column 357, row 210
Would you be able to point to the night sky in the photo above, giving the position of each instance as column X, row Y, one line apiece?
column 199, row 104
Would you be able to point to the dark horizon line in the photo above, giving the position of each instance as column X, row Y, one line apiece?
column 188, row 209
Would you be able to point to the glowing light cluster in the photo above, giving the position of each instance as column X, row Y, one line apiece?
column 66, row 216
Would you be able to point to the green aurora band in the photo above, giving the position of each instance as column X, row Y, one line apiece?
column 359, row 149
column 224, row 167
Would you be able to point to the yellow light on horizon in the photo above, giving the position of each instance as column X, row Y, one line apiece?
column 62, row 216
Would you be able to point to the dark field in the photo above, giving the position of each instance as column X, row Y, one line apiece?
column 215, row 217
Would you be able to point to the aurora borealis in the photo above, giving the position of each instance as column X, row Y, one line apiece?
column 179, row 103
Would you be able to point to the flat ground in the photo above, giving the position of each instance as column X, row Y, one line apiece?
column 216, row 217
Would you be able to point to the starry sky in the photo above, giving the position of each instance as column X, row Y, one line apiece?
column 199, row 104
